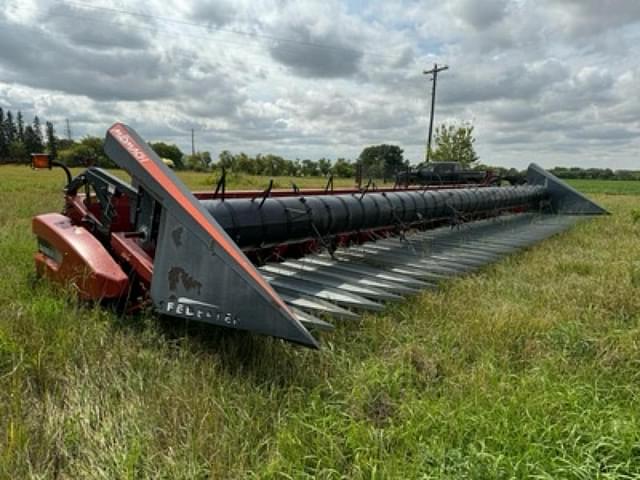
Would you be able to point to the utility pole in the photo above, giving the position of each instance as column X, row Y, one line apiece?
column 193, row 144
column 68, row 129
column 434, row 72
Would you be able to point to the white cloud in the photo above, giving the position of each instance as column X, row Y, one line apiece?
column 552, row 81
column 481, row 15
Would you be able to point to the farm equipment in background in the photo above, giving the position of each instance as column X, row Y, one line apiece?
column 280, row 262
column 446, row 173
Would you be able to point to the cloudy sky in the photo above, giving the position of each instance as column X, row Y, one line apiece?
column 551, row 81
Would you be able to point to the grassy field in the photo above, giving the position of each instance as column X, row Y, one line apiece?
column 528, row 369
column 609, row 187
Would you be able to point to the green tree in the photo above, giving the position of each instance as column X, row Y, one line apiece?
column 170, row 151
column 291, row 168
column 343, row 168
column 244, row 163
column 226, row 160
column 381, row 161
column 52, row 141
column 275, row 165
column 296, row 166
column 199, row 162
column 454, row 143
column 17, row 152
column 20, row 126
column 9, row 127
column 65, row 143
column 37, row 130
column 310, row 168
column 74, row 156
column 324, row 166
column 32, row 141
column 4, row 143
column 87, row 152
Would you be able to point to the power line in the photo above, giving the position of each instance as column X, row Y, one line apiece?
column 154, row 29
column 226, row 30
column 434, row 73
column 149, row 29
column 196, row 54
column 173, row 53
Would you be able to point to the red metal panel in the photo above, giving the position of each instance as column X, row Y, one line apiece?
column 71, row 255
column 131, row 252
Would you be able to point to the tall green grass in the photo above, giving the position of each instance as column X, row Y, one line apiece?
column 528, row 369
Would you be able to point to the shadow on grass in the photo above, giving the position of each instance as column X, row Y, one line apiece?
column 233, row 352
column 261, row 359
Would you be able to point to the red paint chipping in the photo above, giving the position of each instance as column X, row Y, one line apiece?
column 131, row 252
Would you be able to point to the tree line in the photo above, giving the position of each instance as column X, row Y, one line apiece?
column 595, row 173
column 275, row 165
column 376, row 161
column 18, row 140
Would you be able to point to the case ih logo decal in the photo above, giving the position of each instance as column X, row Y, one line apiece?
column 129, row 144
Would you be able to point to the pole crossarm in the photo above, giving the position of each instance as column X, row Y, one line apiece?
column 436, row 69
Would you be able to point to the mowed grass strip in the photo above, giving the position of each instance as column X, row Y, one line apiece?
column 529, row 368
